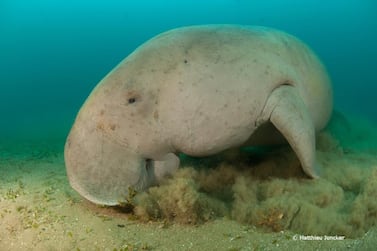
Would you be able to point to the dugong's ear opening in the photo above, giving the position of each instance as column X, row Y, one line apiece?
column 288, row 113
column 101, row 170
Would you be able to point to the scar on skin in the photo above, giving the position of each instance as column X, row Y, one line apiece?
column 100, row 125
column 155, row 115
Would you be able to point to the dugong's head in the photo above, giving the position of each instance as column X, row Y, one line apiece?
column 117, row 142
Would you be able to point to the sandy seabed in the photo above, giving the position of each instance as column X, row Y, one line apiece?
column 238, row 200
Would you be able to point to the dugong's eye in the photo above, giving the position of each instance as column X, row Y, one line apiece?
column 131, row 100
column 131, row 97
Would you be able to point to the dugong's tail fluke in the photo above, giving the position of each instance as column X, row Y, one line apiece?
column 289, row 114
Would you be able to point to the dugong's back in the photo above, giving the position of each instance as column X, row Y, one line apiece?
column 248, row 62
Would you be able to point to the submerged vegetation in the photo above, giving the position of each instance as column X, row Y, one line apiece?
column 267, row 194
column 272, row 193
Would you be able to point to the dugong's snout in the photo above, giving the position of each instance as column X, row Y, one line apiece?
column 103, row 171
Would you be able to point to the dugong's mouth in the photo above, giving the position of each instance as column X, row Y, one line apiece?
column 149, row 164
column 149, row 167
column 153, row 169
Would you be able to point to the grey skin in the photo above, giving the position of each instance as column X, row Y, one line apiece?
column 197, row 90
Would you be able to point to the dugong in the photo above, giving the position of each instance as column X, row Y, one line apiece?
column 196, row 90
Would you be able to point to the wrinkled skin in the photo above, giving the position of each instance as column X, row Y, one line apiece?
column 197, row 90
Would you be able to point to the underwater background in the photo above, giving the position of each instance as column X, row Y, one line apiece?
column 53, row 53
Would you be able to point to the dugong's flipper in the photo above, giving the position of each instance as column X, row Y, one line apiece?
column 165, row 167
column 288, row 113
